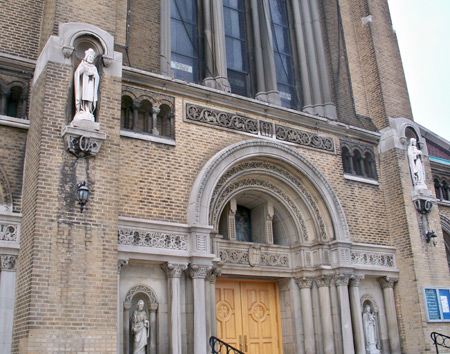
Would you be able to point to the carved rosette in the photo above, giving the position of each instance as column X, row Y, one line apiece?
column 387, row 282
column 304, row 283
column 323, row 280
column 355, row 280
column 8, row 262
column 198, row 271
column 174, row 270
column 342, row 279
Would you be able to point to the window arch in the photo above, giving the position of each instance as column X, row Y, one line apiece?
column 358, row 159
column 126, row 113
column 165, row 121
column 357, row 162
column 347, row 160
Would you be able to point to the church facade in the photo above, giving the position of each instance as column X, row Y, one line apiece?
column 246, row 171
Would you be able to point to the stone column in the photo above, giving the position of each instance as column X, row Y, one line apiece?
column 307, row 315
column 126, row 326
column 173, row 272
column 260, row 84
column 335, row 314
column 357, row 314
column 211, row 324
column 136, row 106
column 209, row 45
column 120, row 264
column 323, row 283
column 152, row 309
column 198, row 274
column 155, row 112
column 346, row 320
column 165, row 39
column 387, row 284
column 7, row 291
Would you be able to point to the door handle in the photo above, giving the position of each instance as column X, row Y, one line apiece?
column 240, row 343
column 245, row 344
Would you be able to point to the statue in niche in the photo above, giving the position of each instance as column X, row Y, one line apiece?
column 415, row 160
column 370, row 331
column 86, row 81
column 140, row 327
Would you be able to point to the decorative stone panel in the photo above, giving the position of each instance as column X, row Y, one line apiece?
column 8, row 232
column 373, row 259
column 257, row 127
column 153, row 239
column 8, row 262
column 264, row 257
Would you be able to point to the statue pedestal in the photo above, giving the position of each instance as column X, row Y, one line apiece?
column 84, row 138
column 85, row 120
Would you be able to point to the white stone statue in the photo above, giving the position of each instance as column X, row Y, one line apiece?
column 415, row 160
column 370, row 331
column 140, row 327
column 86, row 81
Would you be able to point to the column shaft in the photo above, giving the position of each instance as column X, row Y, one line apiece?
column 307, row 314
column 7, row 291
column 325, row 314
column 391, row 313
column 165, row 42
column 356, row 315
column 198, row 274
column 346, row 320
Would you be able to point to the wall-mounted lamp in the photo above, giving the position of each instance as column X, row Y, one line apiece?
column 82, row 195
column 430, row 235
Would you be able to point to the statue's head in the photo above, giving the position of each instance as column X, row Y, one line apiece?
column 89, row 55
column 140, row 305
column 413, row 142
column 367, row 308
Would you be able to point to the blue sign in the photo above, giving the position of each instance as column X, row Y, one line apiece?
column 431, row 299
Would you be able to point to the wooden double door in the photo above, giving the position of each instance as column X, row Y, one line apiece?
column 248, row 315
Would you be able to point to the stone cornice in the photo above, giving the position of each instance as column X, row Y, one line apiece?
column 246, row 105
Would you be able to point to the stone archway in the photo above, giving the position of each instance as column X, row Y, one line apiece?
column 6, row 204
column 151, row 301
column 209, row 182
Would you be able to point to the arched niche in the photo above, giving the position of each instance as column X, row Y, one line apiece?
column 151, row 304
column 6, row 204
column 276, row 172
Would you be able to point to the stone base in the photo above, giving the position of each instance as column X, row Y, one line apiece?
column 85, row 120
column 83, row 142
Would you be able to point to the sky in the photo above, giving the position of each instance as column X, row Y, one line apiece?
column 423, row 34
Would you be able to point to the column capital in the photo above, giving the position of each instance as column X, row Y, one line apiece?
column 153, row 307
column 120, row 264
column 342, row 279
column 173, row 270
column 323, row 280
column 213, row 273
column 387, row 282
column 8, row 262
column 199, row 271
column 304, row 282
column 156, row 110
column 355, row 279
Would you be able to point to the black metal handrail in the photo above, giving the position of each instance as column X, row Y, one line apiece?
column 220, row 347
column 439, row 340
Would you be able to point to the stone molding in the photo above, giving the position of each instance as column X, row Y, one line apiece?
column 342, row 279
column 120, row 264
column 198, row 271
column 304, row 282
column 257, row 127
column 251, row 167
column 355, row 280
column 204, row 185
column 8, row 262
column 140, row 288
column 387, row 282
column 6, row 204
column 373, row 259
column 237, row 255
column 368, row 297
column 445, row 222
column 173, row 270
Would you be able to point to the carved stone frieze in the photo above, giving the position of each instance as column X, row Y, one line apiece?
column 265, row 258
column 387, row 282
column 174, row 270
column 304, row 138
column 239, row 122
column 198, row 271
column 373, row 259
column 147, row 238
column 8, row 232
column 304, row 282
column 8, row 262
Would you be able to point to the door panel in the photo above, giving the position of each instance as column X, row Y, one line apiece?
column 247, row 316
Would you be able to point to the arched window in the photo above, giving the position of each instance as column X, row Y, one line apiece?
column 126, row 113
column 438, row 188
column 13, row 101
column 369, row 165
column 144, row 122
column 357, row 162
column 165, row 121
column 347, row 160
column 445, row 190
